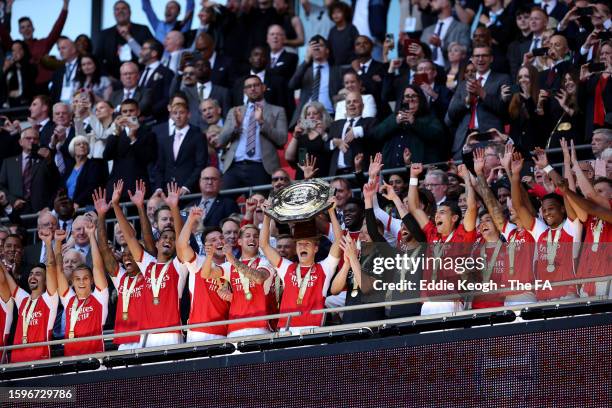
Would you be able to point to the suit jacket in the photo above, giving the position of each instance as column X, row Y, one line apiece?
column 108, row 42
column 303, row 80
column 490, row 111
column 158, row 83
column 358, row 145
column 552, row 78
column 222, row 72
column 218, row 93
column 221, row 208
column 589, row 96
column 57, row 80
column 191, row 159
column 130, row 160
column 46, row 132
column 272, row 135
column 275, row 92
column 142, row 96
column 45, row 180
column 372, row 79
column 9, row 144
column 516, row 51
column 457, row 32
column 285, row 65
column 93, row 175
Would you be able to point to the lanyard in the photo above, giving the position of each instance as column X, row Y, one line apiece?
column 244, row 281
column 69, row 72
column 74, row 314
column 551, row 248
column 597, row 235
column 438, row 251
column 126, row 294
column 302, row 282
column 27, row 314
column 156, row 283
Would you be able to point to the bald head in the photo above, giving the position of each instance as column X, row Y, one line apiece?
column 558, row 47
column 354, row 105
column 275, row 38
column 210, row 182
column 174, row 41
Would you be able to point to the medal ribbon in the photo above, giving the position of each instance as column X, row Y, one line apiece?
column 489, row 265
column 74, row 314
column 438, row 251
column 302, row 283
column 551, row 247
column 596, row 235
column 511, row 250
column 127, row 292
column 28, row 312
column 244, row 281
column 156, row 283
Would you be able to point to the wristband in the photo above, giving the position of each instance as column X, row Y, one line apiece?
column 548, row 169
column 414, row 181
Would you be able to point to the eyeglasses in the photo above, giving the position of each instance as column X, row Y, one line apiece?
column 411, row 97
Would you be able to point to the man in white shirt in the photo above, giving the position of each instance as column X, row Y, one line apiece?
column 64, row 80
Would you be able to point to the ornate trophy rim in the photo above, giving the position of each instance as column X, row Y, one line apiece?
column 310, row 197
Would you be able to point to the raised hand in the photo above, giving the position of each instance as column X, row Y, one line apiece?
column 117, row 190
column 407, row 156
column 139, row 194
column 90, row 229
column 209, row 250
column 174, row 192
column 358, row 162
column 196, row 213
column 369, row 189
column 376, row 165
column 565, row 149
column 573, row 155
column 99, row 201
column 250, row 206
column 463, row 172
column 45, row 235
column 309, row 167
column 479, row 161
column 517, row 163
column 387, row 191
column 59, row 235
column 506, row 158
column 540, row 158
column 415, row 170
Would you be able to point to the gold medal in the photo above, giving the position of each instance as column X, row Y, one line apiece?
column 248, row 295
column 595, row 247
column 354, row 293
column 156, row 300
column 71, row 335
column 25, row 340
column 125, row 315
column 299, row 301
column 550, row 268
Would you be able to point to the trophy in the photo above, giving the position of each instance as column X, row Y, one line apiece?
column 300, row 201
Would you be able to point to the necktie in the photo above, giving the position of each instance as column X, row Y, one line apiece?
column 206, row 206
column 316, row 84
column 434, row 52
column 143, row 80
column 473, row 107
column 273, row 62
column 536, row 44
column 127, row 95
column 545, row 8
column 599, row 111
column 251, row 132
column 362, row 69
column 349, row 127
column 59, row 162
column 27, row 178
column 176, row 144
column 202, row 87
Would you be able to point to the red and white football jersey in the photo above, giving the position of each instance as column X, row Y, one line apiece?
column 6, row 319
column 40, row 327
column 499, row 268
column 206, row 305
column 314, row 296
column 135, row 306
column 524, row 250
column 570, row 232
column 167, row 312
column 89, row 322
column 458, row 245
column 595, row 261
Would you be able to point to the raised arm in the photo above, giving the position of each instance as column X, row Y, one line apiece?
column 588, row 205
column 413, row 195
column 125, row 227
column 62, row 282
column 258, row 275
column 264, row 240
column 7, row 284
column 482, row 188
column 388, row 192
column 208, row 270
column 98, row 265
column 50, row 276
column 102, row 207
column 516, row 193
column 145, row 225
column 172, row 201
column 583, row 182
column 541, row 160
column 335, row 250
column 469, row 219
column 339, row 282
column 183, row 250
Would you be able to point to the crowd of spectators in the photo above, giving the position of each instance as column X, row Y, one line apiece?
column 149, row 116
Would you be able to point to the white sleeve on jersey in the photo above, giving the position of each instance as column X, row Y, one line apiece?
column 117, row 279
column 282, row 268
column 52, row 302
column 69, row 295
column 147, row 259
column 508, row 228
column 392, row 225
column 538, row 228
column 329, row 265
column 182, row 271
column 102, row 297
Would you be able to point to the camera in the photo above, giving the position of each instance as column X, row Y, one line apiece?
column 539, row 52
column 308, row 124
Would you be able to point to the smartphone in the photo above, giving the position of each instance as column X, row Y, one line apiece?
column 585, row 11
column 516, row 88
column 604, row 35
column 302, row 152
column 539, row 52
column 390, row 36
column 407, row 43
column 597, row 67
column 420, row 79
column 35, row 147
column 307, row 124
column 483, row 136
column 133, row 119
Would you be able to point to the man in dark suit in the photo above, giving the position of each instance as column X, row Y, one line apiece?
column 370, row 71
column 520, row 46
column 63, row 82
column 401, row 74
column 316, row 78
column 132, row 150
column 62, row 133
column 349, row 136
column 155, row 77
column 275, row 85
column 182, row 156
column 30, row 179
column 554, row 8
column 204, row 89
column 112, row 47
column 551, row 79
column 538, row 21
column 282, row 62
column 253, row 132
column 438, row 96
column 131, row 90
column 222, row 72
column 215, row 208
column 39, row 117
column 477, row 104
column 35, row 253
